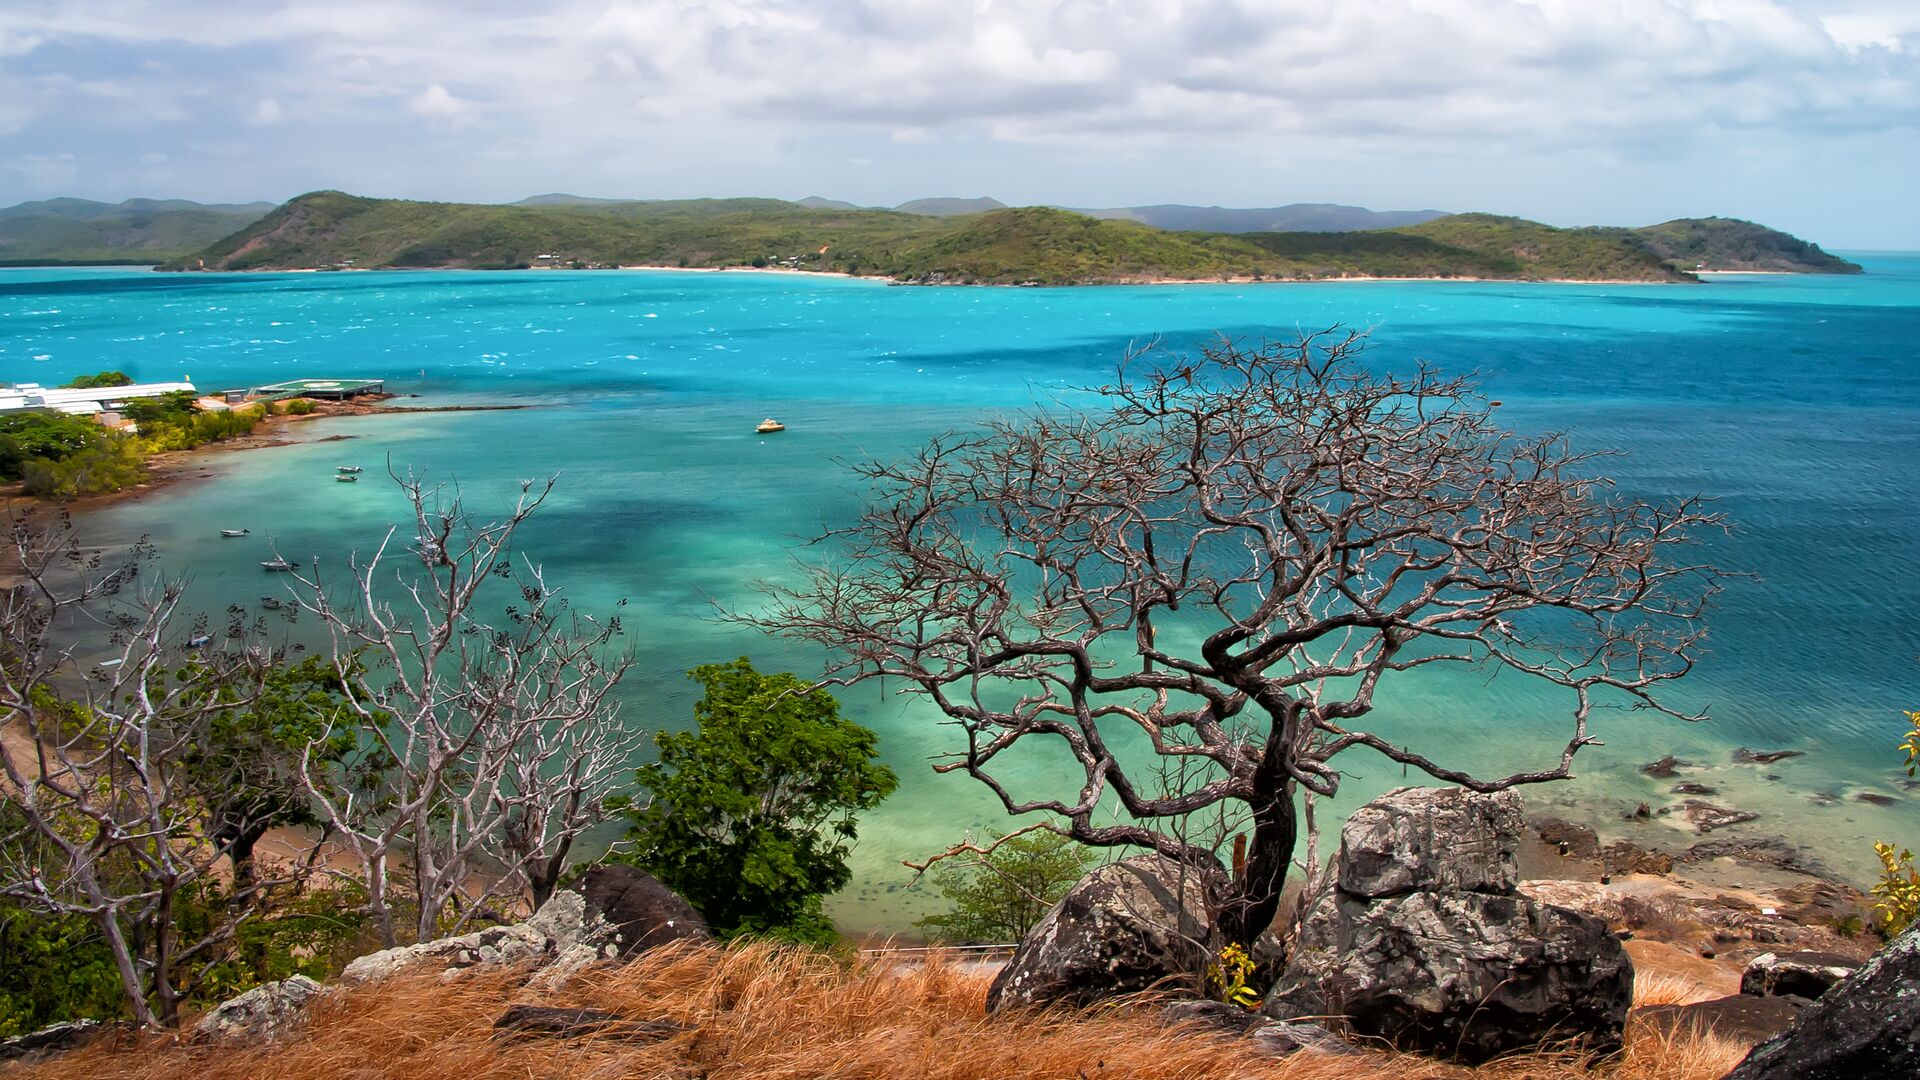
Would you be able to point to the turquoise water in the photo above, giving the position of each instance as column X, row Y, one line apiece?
column 1795, row 401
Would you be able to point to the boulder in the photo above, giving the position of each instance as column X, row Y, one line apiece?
column 1742, row 1018
column 261, row 1014
column 1429, row 838
column 558, row 940
column 57, row 1039
column 1801, row 974
column 640, row 911
column 1867, row 1027
column 1470, row 974
column 1141, row 923
column 1424, row 941
column 1571, row 840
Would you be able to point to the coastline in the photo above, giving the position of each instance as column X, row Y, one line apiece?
column 172, row 468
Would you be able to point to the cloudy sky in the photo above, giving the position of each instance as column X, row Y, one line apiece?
column 1804, row 114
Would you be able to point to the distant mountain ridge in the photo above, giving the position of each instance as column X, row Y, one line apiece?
column 138, row 230
column 1028, row 245
column 1294, row 217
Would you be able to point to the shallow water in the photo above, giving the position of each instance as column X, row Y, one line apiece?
column 1795, row 401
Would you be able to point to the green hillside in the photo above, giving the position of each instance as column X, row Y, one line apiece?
column 1007, row 246
column 55, row 231
column 1717, row 243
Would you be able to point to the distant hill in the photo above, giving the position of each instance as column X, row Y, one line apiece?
column 1294, row 217
column 53, row 231
column 1005, row 246
column 815, row 202
column 561, row 198
column 950, row 207
column 1717, row 243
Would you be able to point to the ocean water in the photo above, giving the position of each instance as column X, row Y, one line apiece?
column 1795, row 402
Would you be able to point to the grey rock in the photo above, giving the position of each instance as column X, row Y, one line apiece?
column 1211, row 1015
column 1428, row 838
column 1467, row 974
column 1744, row 756
column 1144, row 922
column 262, row 1014
column 1574, row 841
column 57, row 1039
column 1867, row 1027
column 1707, row 817
column 1666, row 768
column 1746, row 1018
column 1425, row 942
column 1801, row 974
column 530, row 1021
column 558, row 940
column 641, row 911
column 1275, row 1038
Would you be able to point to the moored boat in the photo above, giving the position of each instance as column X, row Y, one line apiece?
column 348, row 469
column 270, row 603
column 769, row 426
column 347, row 478
column 280, row 565
column 233, row 532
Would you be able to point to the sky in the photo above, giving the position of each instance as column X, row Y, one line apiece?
column 1802, row 114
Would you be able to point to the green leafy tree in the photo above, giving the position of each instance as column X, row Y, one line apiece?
column 1005, row 890
column 103, row 379
column 1897, row 893
column 752, row 816
column 172, row 408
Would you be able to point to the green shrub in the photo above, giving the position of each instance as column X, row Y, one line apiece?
column 105, row 378
column 114, row 464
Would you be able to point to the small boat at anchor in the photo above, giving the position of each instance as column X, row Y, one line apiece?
column 197, row 642
column 769, row 426
column 270, row 603
column 277, row 565
column 346, row 478
column 348, row 469
column 233, row 532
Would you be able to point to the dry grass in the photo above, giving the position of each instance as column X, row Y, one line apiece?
column 760, row 1012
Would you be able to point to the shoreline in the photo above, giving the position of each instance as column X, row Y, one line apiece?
column 170, row 469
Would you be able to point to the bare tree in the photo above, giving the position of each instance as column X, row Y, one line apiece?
column 1224, row 555
column 97, row 817
column 464, row 704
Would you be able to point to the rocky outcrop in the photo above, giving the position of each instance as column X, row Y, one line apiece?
column 559, row 939
column 60, row 1038
column 262, row 1014
column 1145, row 922
column 1867, row 1027
column 1424, row 941
column 544, row 1021
column 639, row 911
column 1741, row 1018
column 1800, row 974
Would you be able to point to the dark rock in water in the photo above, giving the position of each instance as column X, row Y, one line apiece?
column 1666, row 768
column 1759, row 850
column 1125, row 927
column 1707, row 817
column 1744, row 756
column 642, row 911
column 1626, row 857
column 545, row 1021
column 1575, row 841
column 1867, row 1027
column 1431, row 838
column 1874, row 798
column 1691, row 788
column 1745, row 1018
column 1435, row 950
column 1798, row 974
column 1642, row 811
column 261, row 1014
column 60, row 1038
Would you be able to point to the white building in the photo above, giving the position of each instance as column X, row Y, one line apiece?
column 21, row 397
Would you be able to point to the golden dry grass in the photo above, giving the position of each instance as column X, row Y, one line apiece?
column 769, row 1014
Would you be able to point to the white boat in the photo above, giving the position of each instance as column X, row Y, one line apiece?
column 769, row 426
column 347, row 478
column 196, row 642
column 348, row 469
column 270, row 603
column 233, row 532
column 280, row 565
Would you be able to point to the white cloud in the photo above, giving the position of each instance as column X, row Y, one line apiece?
column 268, row 112
column 437, row 101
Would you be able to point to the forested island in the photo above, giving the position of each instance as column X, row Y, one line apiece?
column 1026, row 245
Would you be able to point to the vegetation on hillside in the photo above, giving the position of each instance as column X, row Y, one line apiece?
column 1730, row 244
column 1029, row 245
column 78, row 231
column 56, row 455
